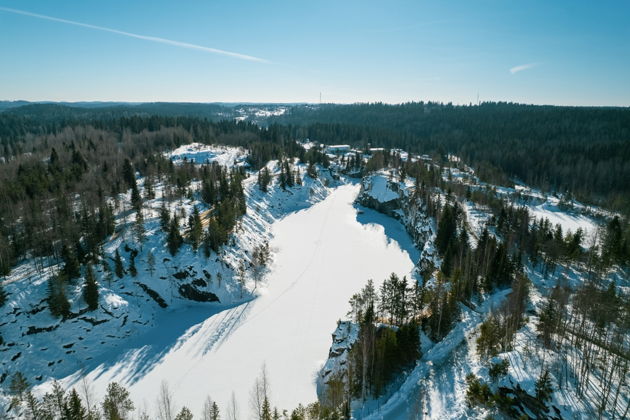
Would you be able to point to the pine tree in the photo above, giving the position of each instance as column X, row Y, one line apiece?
column 117, row 403
column 90, row 289
column 119, row 270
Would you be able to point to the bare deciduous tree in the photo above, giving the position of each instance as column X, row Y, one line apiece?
column 165, row 402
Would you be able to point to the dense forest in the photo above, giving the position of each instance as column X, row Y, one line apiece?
column 62, row 176
column 585, row 151
column 593, row 316
column 67, row 181
column 581, row 150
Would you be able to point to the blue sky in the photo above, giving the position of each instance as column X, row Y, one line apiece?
column 543, row 52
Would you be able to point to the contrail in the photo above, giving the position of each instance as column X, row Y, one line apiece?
column 138, row 36
column 522, row 67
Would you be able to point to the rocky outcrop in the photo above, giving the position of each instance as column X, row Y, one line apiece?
column 153, row 295
column 335, row 369
column 189, row 291
column 381, row 194
column 396, row 199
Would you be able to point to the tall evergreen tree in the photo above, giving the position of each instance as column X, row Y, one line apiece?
column 57, row 301
column 73, row 407
column 117, row 403
column 196, row 228
column 71, row 264
column 90, row 289
column 118, row 269
column 447, row 230
column 174, row 239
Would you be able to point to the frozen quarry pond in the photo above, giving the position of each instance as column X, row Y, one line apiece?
column 322, row 255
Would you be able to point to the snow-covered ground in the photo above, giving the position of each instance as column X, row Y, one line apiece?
column 323, row 255
column 200, row 153
column 570, row 221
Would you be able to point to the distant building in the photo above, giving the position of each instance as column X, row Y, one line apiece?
column 338, row 149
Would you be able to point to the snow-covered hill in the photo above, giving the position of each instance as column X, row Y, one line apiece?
column 436, row 387
column 43, row 347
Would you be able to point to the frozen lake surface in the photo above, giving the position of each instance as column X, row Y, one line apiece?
column 322, row 255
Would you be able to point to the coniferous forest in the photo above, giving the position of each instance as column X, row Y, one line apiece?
column 66, row 175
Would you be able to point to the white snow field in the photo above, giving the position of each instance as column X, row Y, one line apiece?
column 322, row 255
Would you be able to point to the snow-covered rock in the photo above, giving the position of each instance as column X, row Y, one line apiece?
column 343, row 338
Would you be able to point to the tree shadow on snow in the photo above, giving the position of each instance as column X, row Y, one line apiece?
column 203, row 327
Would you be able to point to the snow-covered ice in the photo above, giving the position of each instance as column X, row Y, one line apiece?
column 323, row 255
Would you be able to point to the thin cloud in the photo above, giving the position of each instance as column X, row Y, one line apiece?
column 522, row 67
column 138, row 36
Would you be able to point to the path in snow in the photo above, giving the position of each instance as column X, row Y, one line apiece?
column 323, row 255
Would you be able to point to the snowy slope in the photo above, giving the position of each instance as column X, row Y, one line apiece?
column 287, row 327
column 200, row 153
column 436, row 387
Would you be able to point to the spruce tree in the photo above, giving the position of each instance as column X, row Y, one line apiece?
column 174, row 239
column 57, row 300
column 119, row 270
column 215, row 413
column 184, row 414
column 136, row 200
column 3, row 295
column 139, row 230
column 73, row 408
column 544, row 388
column 71, row 265
column 128, row 173
column 132, row 266
column 447, row 229
column 196, row 228
column 90, row 289
column 264, row 178
column 18, row 385
column 165, row 217
column 266, row 410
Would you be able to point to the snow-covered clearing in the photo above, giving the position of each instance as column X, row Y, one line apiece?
column 568, row 220
column 200, row 153
column 323, row 255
